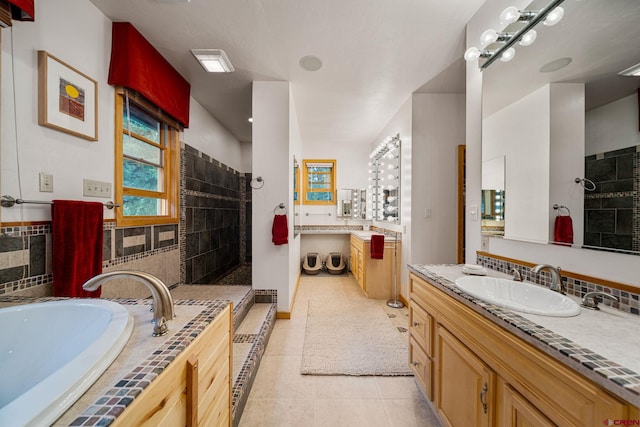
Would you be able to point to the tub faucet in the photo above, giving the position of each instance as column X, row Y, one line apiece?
column 590, row 299
column 162, row 301
column 556, row 280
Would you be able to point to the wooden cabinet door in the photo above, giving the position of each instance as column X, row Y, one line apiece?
column 516, row 411
column 464, row 384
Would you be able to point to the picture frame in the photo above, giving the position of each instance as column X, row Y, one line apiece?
column 67, row 98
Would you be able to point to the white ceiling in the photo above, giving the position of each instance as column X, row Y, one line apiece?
column 375, row 53
column 602, row 38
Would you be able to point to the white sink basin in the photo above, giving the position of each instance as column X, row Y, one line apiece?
column 518, row 296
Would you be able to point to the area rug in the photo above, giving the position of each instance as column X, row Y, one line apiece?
column 352, row 339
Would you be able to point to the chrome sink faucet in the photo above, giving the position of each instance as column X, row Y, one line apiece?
column 162, row 302
column 556, row 280
column 516, row 274
column 590, row 301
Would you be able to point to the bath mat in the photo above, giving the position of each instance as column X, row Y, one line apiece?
column 352, row 338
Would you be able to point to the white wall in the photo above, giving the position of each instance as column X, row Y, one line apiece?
column 606, row 265
column 437, row 131
column 85, row 45
column 520, row 132
column 271, row 160
column 206, row 134
column 613, row 126
column 295, row 148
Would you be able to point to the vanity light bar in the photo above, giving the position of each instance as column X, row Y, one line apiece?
column 506, row 51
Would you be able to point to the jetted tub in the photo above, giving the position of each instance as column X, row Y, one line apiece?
column 52, row 352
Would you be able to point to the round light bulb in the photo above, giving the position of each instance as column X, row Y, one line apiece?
column 488, row 37
column 508, row 55
column 472, row 54
column 510, row 15
column 528, row 38
column 554, row 17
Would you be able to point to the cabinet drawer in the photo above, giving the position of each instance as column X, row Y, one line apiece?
column 421, row 367
column 421, row 327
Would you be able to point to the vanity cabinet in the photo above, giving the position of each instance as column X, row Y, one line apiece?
column 481, row 374
column 195, row 389
column 375, row 276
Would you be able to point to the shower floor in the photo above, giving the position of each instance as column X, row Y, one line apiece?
column 240, row 276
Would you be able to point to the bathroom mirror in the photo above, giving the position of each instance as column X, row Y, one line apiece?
column 584, row 53
column 297, row 201
column 351, row 204
column 384, row 181
column 492, row 204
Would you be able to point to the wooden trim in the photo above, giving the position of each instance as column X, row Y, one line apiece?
column 192, row 391
column 305, row 182
column 462, row 156
column 566, row 273
column 283, row 315
column 5, row 14
column 151, row 108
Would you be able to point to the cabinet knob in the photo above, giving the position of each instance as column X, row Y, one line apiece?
column 415, row 323
column 483, row 395
column 414, row 363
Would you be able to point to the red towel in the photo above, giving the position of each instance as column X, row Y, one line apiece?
column 77, row 230
column 377, row 246
column 563, row 229
column 280, row 230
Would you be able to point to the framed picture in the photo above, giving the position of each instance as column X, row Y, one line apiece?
column 67, row 98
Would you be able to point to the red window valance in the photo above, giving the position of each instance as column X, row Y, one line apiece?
column 137, row 65
column 22, row 10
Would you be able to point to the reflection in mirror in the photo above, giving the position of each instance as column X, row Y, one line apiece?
column 384, row 180
column 296, row 197
column 493, row 202
column 584, row 56
column 351, row 203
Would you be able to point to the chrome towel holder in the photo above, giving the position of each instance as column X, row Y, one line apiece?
column 586, row 183
column 281, row 206
column 8, row 202
column 259, row 180
column 558, row 207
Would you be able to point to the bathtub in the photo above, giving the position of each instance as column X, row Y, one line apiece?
column 51, row 353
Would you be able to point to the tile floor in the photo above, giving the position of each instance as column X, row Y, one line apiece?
column 281, row 397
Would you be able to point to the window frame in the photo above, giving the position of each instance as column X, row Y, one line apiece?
column 305, row 182
column 170, row 195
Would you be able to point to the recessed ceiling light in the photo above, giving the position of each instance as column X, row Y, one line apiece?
column 250, row 119
column 556, row 65
column 310, row 63
column 631, row 71
column 213, row 60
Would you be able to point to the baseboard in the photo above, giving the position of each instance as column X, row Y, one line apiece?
column 283, row 315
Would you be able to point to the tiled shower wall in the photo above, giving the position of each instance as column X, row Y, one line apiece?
column 214, row 218
column 612, row 212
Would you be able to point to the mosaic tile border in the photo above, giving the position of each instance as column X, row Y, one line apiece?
column 629, row 302
column 266, row 296
column 615, row 378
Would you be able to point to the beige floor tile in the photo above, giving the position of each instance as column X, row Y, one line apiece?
column 285, row 341
column 346, row 387
column 397, row 388
column 349, row 413
column 240, row 354
column 254, row 319
column 410, row 413
column 279, row 378
column 277, row 413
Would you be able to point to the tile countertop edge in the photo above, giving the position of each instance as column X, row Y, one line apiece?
column 501, row 317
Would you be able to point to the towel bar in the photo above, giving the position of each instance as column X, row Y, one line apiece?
column 8, row 202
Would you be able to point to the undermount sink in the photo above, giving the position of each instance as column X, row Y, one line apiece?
column 518, row 296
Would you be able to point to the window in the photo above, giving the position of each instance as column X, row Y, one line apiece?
column 147, row 162
column 319, row 182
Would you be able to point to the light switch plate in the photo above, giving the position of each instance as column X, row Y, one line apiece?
column 46, row 183
column 92, row 188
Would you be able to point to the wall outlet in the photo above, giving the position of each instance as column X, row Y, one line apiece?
column 93, row 188
column 46, row 182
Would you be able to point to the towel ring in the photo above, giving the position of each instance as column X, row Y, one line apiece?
column 259, row 180
column 280, row 206
column 558, row 207
column 586, row 183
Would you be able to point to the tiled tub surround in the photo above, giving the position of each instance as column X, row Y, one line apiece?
column 612, row 211
column 583, row 343
column 629, row 301
column 25, row 255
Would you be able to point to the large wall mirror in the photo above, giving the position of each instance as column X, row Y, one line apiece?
column 561, row 110
column 297, row 199
column 384, row 181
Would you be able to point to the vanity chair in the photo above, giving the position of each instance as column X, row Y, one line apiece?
column 312, row 263
column 335, row 263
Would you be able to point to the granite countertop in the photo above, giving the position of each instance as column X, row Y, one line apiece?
column 142, row 359
column 590, row 343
